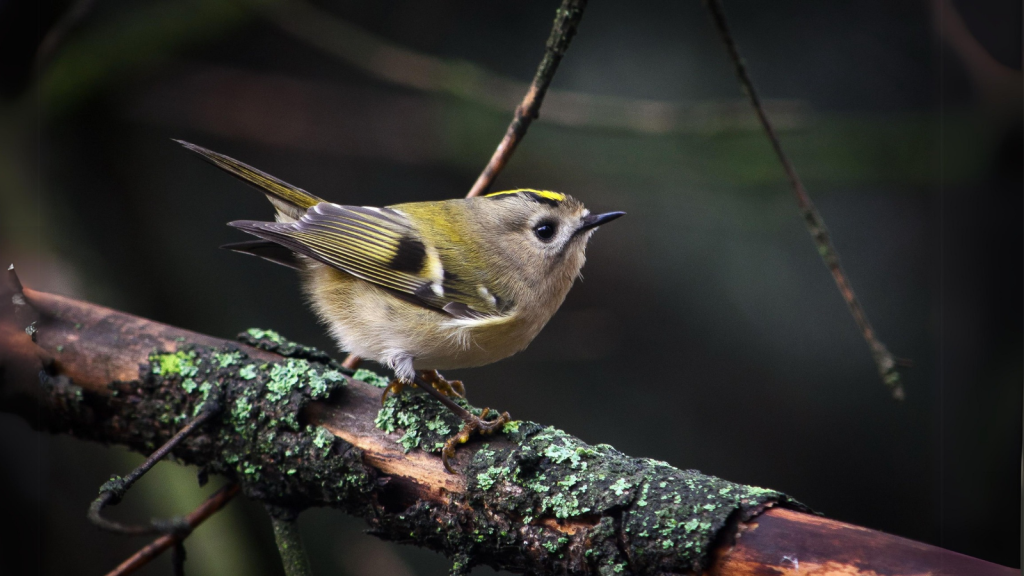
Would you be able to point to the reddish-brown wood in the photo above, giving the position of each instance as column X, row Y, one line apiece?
column 783, row 542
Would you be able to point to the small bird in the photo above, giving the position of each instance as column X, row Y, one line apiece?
column 426, row 286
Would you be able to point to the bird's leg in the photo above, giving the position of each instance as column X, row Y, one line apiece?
column 473, row 423
column 450, row 388
column 476, row 424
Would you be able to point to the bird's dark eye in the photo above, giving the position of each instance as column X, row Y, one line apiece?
column 545, row 231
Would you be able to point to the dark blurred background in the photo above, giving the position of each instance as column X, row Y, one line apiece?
column 707, row 332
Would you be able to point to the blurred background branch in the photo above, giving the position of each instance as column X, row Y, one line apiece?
column 462, row 79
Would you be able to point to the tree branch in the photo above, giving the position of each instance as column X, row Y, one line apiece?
column 208, row 508
column 296, row 432
column 566, row 20
column 885, row 362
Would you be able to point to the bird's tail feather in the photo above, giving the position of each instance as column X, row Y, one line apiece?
column 291, row 202
column 268, row 251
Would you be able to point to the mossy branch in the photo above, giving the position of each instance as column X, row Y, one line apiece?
column 289, row 545
column 297, row 430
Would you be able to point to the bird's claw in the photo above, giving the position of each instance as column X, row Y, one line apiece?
column 477, row 425
column 450, row 388
column 395, row 387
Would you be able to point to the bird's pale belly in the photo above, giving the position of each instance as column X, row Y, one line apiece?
column 371, row 323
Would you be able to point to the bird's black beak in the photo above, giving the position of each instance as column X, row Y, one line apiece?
column 594, row 220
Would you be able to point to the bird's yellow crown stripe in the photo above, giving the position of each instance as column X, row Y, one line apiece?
column 548, row 194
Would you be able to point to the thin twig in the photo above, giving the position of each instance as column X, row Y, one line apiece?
column 567, row 18
column 289, row 544
column 114, row 490
column 215, row 502
column 884, row 360
column 178, row 558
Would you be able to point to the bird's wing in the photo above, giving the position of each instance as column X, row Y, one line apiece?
column 378, row 245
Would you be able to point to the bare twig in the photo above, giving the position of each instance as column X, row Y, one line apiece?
column 214, row 503
column 114, row 490
column 567, row 18
column 178, row 558
column 884, row 360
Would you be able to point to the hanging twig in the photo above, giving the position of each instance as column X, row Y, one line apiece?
column 214, row 503
column 178, row 558
column 566, row 20
column 886, row 363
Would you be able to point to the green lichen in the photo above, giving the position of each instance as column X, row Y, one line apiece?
column 371, row 378
column 554, row 546
column 323, row 439
column 321, row 384
column 225, row 359
column 545, row 473
column 620, row 486
column 487, row 479
column 175, row 363
column 273, row 342
column 258, row 334
column 285, row 379
column 424, row 422
column 205, row 390
column 260, row 441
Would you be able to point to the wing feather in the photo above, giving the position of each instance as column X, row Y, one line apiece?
column 378, row 245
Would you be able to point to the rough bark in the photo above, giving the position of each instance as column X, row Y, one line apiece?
column 297, row 430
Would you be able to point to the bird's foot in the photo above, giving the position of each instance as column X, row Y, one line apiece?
column 450, row 388
column 395, row 387
column 474, row 424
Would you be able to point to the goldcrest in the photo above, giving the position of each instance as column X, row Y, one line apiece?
column 425, row 285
